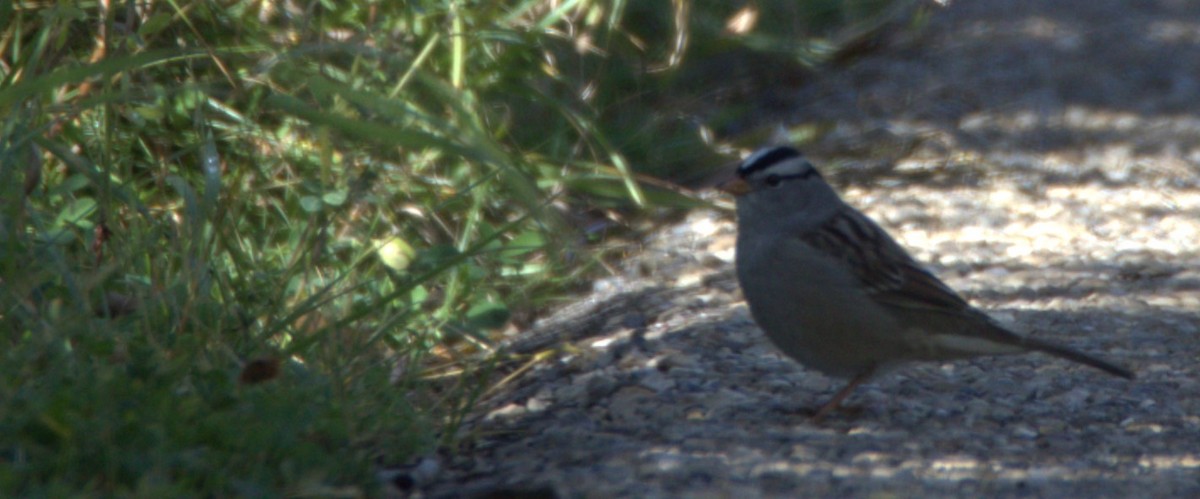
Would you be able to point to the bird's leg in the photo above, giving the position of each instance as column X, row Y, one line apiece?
column 841, row 395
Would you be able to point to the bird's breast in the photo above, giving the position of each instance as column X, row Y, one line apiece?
column 812, row 307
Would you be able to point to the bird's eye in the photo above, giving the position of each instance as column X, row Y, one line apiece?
column 773, row 180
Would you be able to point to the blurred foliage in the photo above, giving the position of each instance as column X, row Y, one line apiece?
column 235, row 236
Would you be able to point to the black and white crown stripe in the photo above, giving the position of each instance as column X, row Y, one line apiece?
column 765, row 157
column 782, row 161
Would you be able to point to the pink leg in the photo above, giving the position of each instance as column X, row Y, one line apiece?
column 841, row 395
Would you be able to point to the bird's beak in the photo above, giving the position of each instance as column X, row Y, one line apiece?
column 734, row 185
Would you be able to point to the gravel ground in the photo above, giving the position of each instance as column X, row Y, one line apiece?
column 1044, row 159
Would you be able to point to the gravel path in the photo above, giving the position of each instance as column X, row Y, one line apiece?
column 1044, row 159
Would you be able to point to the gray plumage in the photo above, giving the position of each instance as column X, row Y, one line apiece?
column 835, row 292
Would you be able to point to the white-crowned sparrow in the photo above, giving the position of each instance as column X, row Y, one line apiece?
column 832, row 290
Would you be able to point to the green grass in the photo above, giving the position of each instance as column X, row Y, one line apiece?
column 194, row 195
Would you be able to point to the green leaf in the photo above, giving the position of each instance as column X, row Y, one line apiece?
column 437, row 256
column 335, row 198
column 523, row 244
column 310, row 204
column 77, row 212
column 155, row 24
column 71, row 184
column 363, row 130
column 418, row 296
column 488, row 315
column 73, row 75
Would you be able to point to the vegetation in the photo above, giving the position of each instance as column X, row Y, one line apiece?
column 234, row 236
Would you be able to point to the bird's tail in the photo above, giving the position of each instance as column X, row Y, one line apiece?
column 1077, row 356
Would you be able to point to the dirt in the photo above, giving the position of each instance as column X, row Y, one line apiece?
column 1044, row 159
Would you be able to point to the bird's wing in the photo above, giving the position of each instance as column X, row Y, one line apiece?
column 915, row 298
column 894, row 280
column 887, row 272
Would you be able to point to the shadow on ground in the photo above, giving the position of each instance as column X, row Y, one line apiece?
column 1069, row 93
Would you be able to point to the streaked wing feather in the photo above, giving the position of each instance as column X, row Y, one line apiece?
column 895, row 280
column 888, row 273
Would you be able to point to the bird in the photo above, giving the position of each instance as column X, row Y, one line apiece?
column 833, row 291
